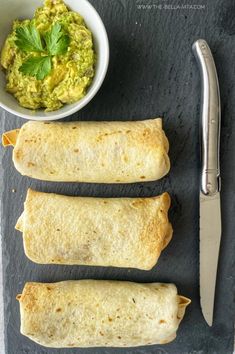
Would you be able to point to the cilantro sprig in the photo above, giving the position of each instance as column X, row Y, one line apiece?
column 56, row 41
column 29, row 39
column 39, row 67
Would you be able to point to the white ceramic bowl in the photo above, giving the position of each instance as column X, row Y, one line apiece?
column 22, row 9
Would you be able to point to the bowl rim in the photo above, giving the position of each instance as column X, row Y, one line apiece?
column 92, row 91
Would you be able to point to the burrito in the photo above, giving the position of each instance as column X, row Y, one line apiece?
column 98, row 313
column 120, row 232
column 98, row 152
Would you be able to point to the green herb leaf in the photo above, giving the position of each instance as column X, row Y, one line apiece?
column 28, row 39
column 39, row 67
column 56, row 40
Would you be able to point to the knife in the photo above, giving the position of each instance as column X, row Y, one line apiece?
column 210, row 214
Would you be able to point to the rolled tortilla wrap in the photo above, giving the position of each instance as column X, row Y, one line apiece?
column 102, row 152
column 120, row 232
column 97, row 313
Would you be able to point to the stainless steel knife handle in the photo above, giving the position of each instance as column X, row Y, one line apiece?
column 210, row 119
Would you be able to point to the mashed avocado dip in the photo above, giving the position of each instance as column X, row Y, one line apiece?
column 69, row 74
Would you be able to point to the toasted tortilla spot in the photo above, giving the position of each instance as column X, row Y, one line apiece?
column 162, row 321
column 18, row 154
column 147, row 132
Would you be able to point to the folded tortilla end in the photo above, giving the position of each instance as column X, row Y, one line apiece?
column 18, row 297
column 20, row 223
column 183, row 303
column 10, row 137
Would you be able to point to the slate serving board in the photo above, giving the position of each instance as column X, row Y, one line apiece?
column 152, row 73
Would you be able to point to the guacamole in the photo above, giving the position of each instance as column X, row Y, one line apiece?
column 71, row 72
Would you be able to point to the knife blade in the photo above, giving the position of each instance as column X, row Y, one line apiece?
column 209, row 196
column 210, row 234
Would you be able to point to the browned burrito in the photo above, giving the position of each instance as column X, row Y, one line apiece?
column 120, row 232
column 99, row 152
column 97, row 313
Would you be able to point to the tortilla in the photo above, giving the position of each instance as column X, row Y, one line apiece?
column 99, row 152
column 120, row 232
column 97, row 313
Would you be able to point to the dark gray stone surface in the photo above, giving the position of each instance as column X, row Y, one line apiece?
column 152, row 73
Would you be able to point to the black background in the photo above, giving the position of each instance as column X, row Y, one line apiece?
column 152, row 73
